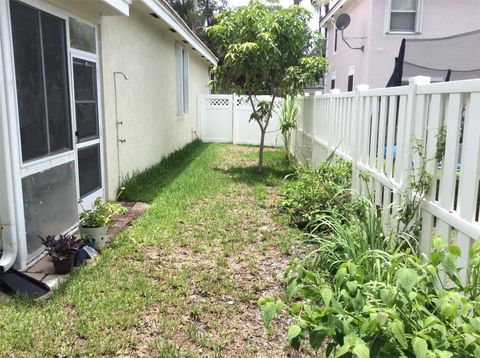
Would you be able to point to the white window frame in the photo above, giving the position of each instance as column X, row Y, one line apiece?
column 182, row 79
column 418, row 20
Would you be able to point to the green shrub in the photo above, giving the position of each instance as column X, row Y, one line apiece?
column 404, row 312
column 317, row 192
column 361, row 240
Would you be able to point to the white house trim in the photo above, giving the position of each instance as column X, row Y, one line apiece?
column 332, row 12
column 122, row 6
column 177, row 24
column 351, row 70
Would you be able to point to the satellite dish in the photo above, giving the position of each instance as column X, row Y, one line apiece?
column 342, row 22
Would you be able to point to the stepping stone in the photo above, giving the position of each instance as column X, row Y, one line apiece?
column 45, row 265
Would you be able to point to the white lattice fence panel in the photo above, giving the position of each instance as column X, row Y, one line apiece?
column 216, row 118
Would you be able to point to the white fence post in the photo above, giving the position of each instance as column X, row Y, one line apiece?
column 200, row 116
column 356, row 127
column 407, row 154
column 234, row 119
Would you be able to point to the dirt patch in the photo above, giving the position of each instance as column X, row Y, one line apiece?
column 210, row 282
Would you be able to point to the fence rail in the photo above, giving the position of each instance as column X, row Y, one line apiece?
column 377, row 129
column 226, row 118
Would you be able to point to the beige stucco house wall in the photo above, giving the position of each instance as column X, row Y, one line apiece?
column 369, row 22
column 144, row 50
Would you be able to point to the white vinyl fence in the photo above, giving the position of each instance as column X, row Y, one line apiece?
column 226, row 118
column 376, row 129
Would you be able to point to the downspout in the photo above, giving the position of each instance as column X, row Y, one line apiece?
column 7, row 208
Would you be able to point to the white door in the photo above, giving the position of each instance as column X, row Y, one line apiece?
column 87, row 131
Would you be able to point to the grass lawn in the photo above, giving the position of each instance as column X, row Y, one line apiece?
column 184, row 280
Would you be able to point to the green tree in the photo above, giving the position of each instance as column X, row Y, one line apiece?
column 198, row 14
column 265, row 51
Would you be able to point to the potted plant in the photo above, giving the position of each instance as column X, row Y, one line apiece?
column 62, row 249
column 94, row 222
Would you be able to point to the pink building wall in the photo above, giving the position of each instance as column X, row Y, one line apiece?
column 369, row 18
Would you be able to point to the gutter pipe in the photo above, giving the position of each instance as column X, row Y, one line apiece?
column 7, row 209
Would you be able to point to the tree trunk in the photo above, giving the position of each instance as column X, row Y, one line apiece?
column 262, row 145
column 287, row 145
column 195, row 14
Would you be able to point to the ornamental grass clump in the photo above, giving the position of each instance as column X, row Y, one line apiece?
column 360, row 238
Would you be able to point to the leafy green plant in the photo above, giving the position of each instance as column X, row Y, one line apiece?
column 101, row 214
column 288, row 121
column 418, row 186
column 315, row 193
column 406, row 313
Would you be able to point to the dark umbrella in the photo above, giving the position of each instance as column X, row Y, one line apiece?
column 396, row 78
column 449, row 73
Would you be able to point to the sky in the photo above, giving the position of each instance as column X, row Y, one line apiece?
column 286, row 3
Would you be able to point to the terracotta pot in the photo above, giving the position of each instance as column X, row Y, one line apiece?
column 99, row 234
column 64, row 266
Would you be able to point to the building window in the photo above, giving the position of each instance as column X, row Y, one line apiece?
column 82, row 36
column 182, row 80
column 332, row 84
column 350, row 83
column 335, row 41
column 403, row 15
column 40, row 50
column 326, row 42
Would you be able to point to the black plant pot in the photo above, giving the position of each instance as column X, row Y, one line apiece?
column 64, row 266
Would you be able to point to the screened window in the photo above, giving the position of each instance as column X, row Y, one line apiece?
column 182, row 80
column 89, row 169
column 332, row 84
column 84, row 74
column 403, row 15
column 40, row 53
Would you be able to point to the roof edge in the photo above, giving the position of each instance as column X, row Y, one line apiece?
column 167, row 14
column 332, row 12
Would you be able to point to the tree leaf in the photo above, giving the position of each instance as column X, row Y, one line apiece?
column 343, row 350
column 420, row 347
column 455, row 250
column 396, row 327
column 449, row 263
column 269, row 309
column 316, row 338
column 438, row 243
column 326, row 294
column 293, row 331
column 406, row 278
column 361, row 350
column 292, row 288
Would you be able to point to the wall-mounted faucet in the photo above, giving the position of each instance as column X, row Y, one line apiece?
column 117, row 122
